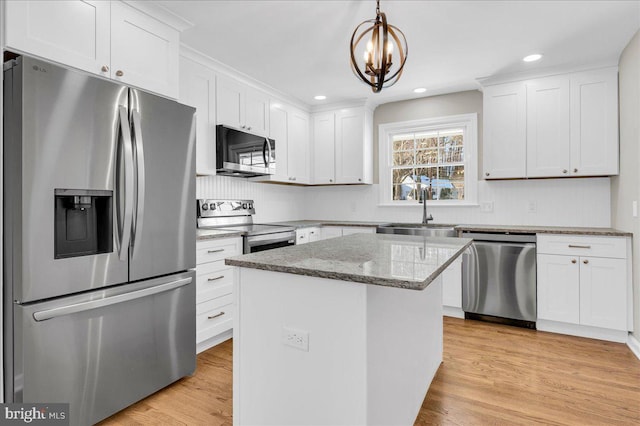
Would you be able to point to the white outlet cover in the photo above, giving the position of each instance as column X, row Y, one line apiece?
column 296, row 338
column 532, row 206
column 486, row 206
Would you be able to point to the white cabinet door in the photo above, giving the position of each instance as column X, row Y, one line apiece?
column 330, row 232
column 323, row 148
column 302, row 236
column 548, row 137
column 298, row 153
column 594, row 122
column 229, row 102
column 452, row 284
column 144, row 51
column 256, row 112
column 198, row 89
column 278, row 131
column 314, row 234
column 349, row 153
column 348, row 230
column 558, row 288
column 74, row 33
column 603, row 292
column 505, row 137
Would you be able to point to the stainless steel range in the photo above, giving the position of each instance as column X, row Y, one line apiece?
column 237, row 215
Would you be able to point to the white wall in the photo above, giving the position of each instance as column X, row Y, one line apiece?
column 626, row 188
column 273, row 203
column 563, row 202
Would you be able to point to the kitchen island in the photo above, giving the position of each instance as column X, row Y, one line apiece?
column 340, row 331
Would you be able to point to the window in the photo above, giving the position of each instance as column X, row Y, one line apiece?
column 434, row 156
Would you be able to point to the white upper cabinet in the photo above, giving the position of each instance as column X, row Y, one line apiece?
column 279, row 132
column 74, row 33
column 505, row 137
column 324, row 148
column 594, row 123
column 548, row 151
column 559, row 126
column 144, row 51
column 298, row 147
column 342, row 147
column 242, row 107
column 111, row 39
column 198, row 89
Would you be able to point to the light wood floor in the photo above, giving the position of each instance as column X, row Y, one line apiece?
column 491, row 375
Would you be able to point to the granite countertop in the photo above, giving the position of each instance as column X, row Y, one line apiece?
column 403, row 261
column 210, row 234
column 310, row 223
column 527, row 229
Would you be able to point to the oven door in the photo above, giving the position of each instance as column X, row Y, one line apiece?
column 256, row 243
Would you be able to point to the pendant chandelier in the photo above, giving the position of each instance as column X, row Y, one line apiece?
column 376, row 68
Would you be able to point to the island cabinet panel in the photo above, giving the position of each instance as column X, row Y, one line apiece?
column 352, row 366
column 452, row 289
column 214, row 290
column 584, row 286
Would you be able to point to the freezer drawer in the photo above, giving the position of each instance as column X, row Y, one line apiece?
column 104, row 350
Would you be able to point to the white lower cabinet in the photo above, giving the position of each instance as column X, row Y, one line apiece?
column 341, row 231
column 307, row 235
column 452, row 289
column 584, row 286
column 214, row 291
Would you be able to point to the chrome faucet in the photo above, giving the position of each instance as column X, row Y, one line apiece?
column 425, row 218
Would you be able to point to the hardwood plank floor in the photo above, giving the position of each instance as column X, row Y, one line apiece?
column 491, row 375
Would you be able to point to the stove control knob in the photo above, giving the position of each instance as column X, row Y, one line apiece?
column 205, row 207
column 245, row 205
column 212, row 206
column 250, row 205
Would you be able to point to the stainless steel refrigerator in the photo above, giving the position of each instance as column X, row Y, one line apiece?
column 99, row 240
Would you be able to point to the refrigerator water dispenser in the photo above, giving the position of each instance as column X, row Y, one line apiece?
column 83, row 222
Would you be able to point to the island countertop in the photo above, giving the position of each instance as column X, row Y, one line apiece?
column 403, row 261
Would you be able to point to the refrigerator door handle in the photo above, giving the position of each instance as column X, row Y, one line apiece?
column 107, row 301
column 140, row 181
column 125, row 230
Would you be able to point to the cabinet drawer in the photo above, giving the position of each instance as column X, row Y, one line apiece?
column 581, row 245
column 210, row 251
column 214, row 280
column 214, row 317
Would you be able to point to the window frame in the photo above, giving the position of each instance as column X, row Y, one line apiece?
column 386, row 131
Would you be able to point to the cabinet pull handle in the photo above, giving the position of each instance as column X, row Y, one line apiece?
column 564, row 170
column 119, row 73
column 216, row 315
column 215, row 278
column 215, row 251
column 359, row 180
column 575, row 170
column 578, row 246
column 330, row 180
column 104, row 68
column 573, row 261
column 487, row 174
column 585, row 261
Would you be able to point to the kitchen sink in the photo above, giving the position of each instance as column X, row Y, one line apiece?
column 430, row 230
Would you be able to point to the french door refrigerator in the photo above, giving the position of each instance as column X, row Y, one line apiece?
column 99, row 240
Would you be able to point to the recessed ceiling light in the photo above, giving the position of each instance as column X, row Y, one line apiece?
column 419, row 90
column 532, row 58
column 320, row 97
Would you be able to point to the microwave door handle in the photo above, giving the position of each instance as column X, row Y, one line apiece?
column 127, row 151
column 264, row 152
column 268, row 161
column 140, row 181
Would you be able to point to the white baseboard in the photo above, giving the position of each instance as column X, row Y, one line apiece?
column 634, row 345
column 213, row 341
column 450, row 311
column 620, row 336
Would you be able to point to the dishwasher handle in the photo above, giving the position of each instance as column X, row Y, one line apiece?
column 500, row 237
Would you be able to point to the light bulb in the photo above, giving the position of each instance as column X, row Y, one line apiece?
column 389, row 47
column 370, row 46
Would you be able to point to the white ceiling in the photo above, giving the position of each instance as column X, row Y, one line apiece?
column 302, row 47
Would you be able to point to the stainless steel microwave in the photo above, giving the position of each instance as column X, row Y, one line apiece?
column 244, row 154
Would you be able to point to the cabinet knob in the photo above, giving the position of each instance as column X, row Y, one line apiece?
column 575, row 170
column 243, row 126
column 573, row 261
column 104, row 68
column 293, row 178
column 486, row 174
column 565, row 170
column 359, row 180
column 585, row 261
column 248, row 127
column 119, row 73
column 330, row 180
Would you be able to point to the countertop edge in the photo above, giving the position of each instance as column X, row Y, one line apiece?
column 385, row 282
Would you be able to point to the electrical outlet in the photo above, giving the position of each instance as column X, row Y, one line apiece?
column 634, row 208
column 298, row 339
column 486, row 206
column 532, row 206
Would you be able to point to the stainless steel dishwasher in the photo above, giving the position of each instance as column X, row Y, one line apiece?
column 499, row 278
